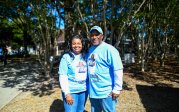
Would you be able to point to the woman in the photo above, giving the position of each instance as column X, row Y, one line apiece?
column 73, row 76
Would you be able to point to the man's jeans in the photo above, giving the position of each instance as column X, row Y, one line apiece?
column 79, row 100
column 104, row 104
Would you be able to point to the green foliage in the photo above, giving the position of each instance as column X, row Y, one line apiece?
column 24, row 21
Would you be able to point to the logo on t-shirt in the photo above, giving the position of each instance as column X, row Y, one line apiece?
column 82, row 68
column 92, row 61
column 81, row 71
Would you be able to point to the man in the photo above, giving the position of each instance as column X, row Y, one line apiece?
column 105, row 72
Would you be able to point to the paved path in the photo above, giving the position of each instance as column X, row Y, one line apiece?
column 14, row 78
column 7, row 94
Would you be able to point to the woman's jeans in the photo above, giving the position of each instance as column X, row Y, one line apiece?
column 79, row 100
column 104, row 104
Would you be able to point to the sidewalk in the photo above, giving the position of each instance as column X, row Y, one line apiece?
column 14, row 78
column 7, row 94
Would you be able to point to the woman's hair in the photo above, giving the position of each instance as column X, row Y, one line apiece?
column 69, row 46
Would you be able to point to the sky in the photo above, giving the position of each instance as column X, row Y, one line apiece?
column 60, row 23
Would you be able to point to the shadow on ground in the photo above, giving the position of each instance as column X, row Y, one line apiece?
column 154, row 73
column 57, row 106
column 159, row 99
column 26, row 75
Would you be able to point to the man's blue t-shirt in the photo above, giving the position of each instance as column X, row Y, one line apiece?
column 102, row 61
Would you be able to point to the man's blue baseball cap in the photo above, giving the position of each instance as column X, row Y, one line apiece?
column 96, row 28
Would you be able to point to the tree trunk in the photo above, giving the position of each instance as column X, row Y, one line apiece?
column 142, row 54
column 177, row 49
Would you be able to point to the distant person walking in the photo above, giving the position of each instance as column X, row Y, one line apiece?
column 105, row 72
column 5, row 53
column 73, row 76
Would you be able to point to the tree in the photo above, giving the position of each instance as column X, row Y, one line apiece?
column 151, row 25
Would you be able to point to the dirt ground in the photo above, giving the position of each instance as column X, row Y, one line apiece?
column 156, row 90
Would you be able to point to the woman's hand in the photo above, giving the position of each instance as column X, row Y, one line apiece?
column 69, row 99
column 114, row 95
